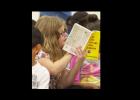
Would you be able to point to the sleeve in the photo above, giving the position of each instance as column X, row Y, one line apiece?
column 42, row 54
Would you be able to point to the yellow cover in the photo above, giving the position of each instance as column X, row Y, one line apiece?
column 93, row 46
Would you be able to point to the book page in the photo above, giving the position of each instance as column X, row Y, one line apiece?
column 78, row 36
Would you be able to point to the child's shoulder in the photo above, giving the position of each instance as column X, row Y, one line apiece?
column 38, row 68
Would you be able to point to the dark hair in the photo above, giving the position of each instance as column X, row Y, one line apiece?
column 37, row 37
column 79, row 15
column 76, row 18
column 82, row 18
column 92, row 18
column 93, row 25
column 33, row 22
column 68, row 20
column 89, row 19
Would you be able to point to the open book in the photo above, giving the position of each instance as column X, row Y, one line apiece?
column 81, row 36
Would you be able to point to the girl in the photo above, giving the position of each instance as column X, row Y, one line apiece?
column 54, row 30
column 91, row 22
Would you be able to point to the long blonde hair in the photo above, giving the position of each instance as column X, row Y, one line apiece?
column 49, row 25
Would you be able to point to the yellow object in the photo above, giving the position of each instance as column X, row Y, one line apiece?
column 93, row 46
column 91, row 79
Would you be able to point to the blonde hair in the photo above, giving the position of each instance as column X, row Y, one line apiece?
column 49, row 26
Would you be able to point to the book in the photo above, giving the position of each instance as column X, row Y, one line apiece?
column 78, row 36
column 88, row 40
column 92, row 46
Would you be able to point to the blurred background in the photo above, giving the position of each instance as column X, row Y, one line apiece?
column 37, row 14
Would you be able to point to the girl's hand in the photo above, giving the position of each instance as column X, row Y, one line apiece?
column 80, row 53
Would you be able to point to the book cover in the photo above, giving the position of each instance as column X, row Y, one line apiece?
column 92, row 46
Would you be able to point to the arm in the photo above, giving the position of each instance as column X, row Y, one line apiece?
column 57, row 66
column 67, row 77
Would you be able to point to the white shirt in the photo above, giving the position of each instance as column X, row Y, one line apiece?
column 40, row 77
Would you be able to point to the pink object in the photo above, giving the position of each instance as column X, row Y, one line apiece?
column 72, row 63
column 91, row 69
column 87, row 69
column 96, row 72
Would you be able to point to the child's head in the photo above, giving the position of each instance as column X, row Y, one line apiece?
column 93, row 25
column 37, row 41
column 76, row 18
column 54, row 29
column 82, row 18
column 90, row 21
